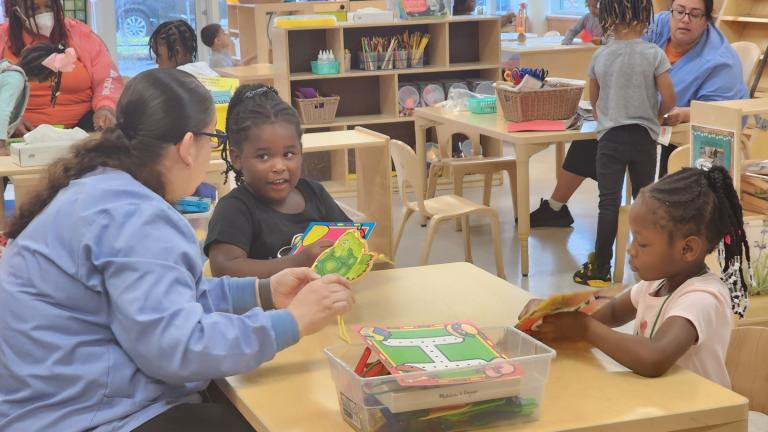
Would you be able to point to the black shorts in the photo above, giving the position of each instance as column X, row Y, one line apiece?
column 581, row 159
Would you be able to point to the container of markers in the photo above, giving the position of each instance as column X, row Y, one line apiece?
column 375, row 401
column 416, row 58
column 369, row 61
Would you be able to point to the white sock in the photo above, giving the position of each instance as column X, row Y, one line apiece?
column 555, row 205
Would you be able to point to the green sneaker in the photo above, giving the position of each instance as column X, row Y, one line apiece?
column 592, row 276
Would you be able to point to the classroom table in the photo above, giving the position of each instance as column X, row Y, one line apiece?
column 295, row 392
column 26, row 179
column 249, row 74
column 526, row 144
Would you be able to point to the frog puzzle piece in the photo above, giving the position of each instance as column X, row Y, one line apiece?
column 348, row 257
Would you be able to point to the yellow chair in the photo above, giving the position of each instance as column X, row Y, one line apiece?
column 438, row 209
column 747, row 367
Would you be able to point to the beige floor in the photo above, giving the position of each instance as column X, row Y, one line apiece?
column 555, row 253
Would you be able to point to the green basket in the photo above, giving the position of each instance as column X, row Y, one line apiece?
column 482, row 105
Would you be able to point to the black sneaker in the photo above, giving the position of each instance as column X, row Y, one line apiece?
column 544, row 216
column 592, row 276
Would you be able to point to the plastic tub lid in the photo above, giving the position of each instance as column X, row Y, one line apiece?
column 408, row 97
column 433, row 94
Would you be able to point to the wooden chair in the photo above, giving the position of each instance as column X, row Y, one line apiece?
column 749, row 54
column 457, row 168
column 747, row 366
column 438, row 209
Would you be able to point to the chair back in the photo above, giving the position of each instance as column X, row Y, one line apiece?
column 680, row 158
column 405, row 162
column 747, row 365
column 749, row 55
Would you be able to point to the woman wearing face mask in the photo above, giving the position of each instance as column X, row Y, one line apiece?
column 87, row 95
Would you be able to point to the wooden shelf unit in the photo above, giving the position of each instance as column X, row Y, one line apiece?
column 459, row 48
column 746, row 20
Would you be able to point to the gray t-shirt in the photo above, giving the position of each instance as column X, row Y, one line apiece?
column 626, row 71
column 220, row 59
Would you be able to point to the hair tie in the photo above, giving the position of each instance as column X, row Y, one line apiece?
column 259, row 91
column 61, row 61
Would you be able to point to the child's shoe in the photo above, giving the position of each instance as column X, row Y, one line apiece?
column 593, row 276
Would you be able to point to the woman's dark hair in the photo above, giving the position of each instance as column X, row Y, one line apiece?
column 31, row 61
column 157, row 108
column 174, row 34
column 625, row 13
column 16, row 27
column 209, row 33
column 709, row 8
column 704, row 203
column 252, row 106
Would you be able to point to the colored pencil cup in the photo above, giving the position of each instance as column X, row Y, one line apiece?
column 369, row 61
column 415, row 59
column 401, row 59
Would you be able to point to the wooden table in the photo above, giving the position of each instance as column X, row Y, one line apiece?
column 526, row 145
column 250, row 74
column 295, row 392
column 27, row 179
column 372, row 167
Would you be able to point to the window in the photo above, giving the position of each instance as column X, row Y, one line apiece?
column 569, row 7
column 75, row 9
column 498, row 7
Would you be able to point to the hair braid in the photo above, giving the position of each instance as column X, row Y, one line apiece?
column 618, row 14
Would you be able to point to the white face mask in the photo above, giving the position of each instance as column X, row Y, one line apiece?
column 44, row 23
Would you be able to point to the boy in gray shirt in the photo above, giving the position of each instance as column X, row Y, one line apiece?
column 589, row 23
column 626, row 78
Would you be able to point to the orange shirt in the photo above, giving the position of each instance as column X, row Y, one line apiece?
column 672, row 54
column 74, row 101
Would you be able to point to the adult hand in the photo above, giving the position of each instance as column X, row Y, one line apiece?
column 23, row 127
column 310, row 253
column 319, row 302
column 287, row 283
column 676, row 116
column 563, row 327
column 103, row 118
column 530, row 306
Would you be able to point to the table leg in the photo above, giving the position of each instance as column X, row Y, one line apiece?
column 523, row 204
column 421, row 127
column 374, row 194
column 559, row 158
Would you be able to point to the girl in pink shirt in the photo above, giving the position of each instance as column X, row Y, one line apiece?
column 682, row 312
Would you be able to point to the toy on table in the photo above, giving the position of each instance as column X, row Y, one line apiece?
column 193, row 204
column 586, row 36
column 332, row 231
column 439, row 347
column 348, row 257
column 583, row 301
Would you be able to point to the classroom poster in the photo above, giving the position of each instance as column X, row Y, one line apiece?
column 710, row 147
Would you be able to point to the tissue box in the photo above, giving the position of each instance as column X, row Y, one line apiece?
column 371, row 15
column 27, row 155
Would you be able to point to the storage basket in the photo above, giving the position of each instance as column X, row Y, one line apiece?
column 317, row 110
column 558, row 102
column 482, row 105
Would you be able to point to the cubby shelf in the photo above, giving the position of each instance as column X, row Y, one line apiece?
column 460, row 48
column 746, row 20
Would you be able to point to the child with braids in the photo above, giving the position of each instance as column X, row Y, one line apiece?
column 682, row 311
column 174, row 45
column 253, row 226
column 626, row 78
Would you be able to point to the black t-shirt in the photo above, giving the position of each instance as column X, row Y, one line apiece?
column 240, row 219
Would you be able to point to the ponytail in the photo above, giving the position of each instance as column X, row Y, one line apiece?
column 156, row 110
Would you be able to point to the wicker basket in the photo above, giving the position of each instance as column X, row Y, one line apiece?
column 317, row 110
column 549, row 103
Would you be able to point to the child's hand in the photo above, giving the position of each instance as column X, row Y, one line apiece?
column 287, row 283
column 530, row 306
column 310, row 253
column 563, row 327
column 319, row 302
column 597, row 41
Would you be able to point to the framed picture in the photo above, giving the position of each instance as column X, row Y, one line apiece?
column 710, row 147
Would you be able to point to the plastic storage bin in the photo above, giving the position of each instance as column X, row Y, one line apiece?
column 382, row 404
column 482, row 105
column 324, row 68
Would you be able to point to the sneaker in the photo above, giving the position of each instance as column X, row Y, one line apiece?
column 544, row 216
column 593, row 276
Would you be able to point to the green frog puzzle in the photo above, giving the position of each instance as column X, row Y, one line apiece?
column 348, row 257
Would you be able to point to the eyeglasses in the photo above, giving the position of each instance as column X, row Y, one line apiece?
column 218, row 138
column 693, row 14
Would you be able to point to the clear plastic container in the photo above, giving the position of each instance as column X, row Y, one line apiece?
column 324, row 68
column 383, row 404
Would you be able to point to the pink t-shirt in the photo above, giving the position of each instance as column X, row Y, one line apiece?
column 705, row 302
